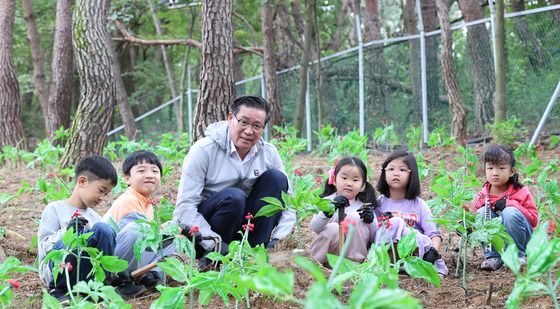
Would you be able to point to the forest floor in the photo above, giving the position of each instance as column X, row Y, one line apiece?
column 485, row 289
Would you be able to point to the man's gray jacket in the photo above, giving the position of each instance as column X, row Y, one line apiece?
column 210, row 168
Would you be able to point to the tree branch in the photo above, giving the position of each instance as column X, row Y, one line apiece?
column 127, row 37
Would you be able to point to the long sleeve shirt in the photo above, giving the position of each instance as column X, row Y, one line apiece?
column 54, row 219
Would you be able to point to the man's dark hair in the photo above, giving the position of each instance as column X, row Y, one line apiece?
column 97, row 167
column 251, row 101
column 139, row 157
column 413, row 189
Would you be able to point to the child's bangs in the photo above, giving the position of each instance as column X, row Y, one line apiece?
column 497, row 156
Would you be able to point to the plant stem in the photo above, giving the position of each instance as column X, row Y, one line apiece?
column 67, row 275
column 342, row 254
column 465, row 267
column 552, row 290
column 300, row 245
column 191, row 258
column 6, row 288
column 459, row 256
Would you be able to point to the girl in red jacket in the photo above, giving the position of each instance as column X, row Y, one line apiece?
column 503, row 196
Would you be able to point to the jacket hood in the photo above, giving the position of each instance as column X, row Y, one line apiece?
column 219, row 133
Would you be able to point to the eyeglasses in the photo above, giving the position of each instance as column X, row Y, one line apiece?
column 394, row 170
column 244, row 124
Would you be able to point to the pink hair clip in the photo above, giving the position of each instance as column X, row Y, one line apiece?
column 331, row 177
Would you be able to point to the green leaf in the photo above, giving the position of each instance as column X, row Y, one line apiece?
column 270, row 282
column 407, row 244
column 204, row 296
column 311, row 267
column 418, row 268
column 113, row 263
column 510, row 258
column 272, row 201
column 50, row 302
column 175, row 269
column 319, row 296
column 268, row 210
column 170, row 298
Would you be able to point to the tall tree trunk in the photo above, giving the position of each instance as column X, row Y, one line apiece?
column 482, row 64
column 336, row 40
column 186, row 67
column 500, row 40
column 97, row 83
column 127, row 116
column 300, row 108
column 269, row 62
column 62, row 70
column 375, row 58
column 411, row 21
column 318, row 75
column 11, row 130
column 168, row 66
column 533, row 47
column 430, row 17
column 216, row 75
column 459, row 119
column 39, row 79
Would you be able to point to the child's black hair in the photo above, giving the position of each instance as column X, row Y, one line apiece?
column 367, row 195
column 413, row 189
column 500, row 154
column 96, row 167
column 251, row 101
column 139, row 157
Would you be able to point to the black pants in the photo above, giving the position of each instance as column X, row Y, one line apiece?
column 225, row 211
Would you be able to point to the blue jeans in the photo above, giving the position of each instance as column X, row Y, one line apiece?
column 517, row 226
column 103, row 238
column 225, row 211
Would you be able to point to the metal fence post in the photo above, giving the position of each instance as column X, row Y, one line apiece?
column 549, row 107
column 425, row 132
column 308, row 114
column 189, row 102
column 493, row 30
column 360, row 73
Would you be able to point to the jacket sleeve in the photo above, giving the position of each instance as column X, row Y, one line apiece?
column 189, row 197
column 477, row 202
column 50, row 230
column 319, row 222
column 523, row 201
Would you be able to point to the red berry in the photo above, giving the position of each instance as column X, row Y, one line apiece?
column 249, row 216
column 75, row 214
column 298, row 172
column 14, row 283
column 69, row 266
column 193, row 230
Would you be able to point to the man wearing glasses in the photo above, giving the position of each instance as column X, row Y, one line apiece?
column 224, row 177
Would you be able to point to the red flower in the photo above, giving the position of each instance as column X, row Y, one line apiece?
column 193, row 230
column 347, row 129
column 551, row 226
column 549, row 171
column 50, row 175
column 383, row 220
column 249, row 216
column 298, row 172
column 319, row 180
column 277, row 136
column 14, row 283
column 466, row 207
column 75, row 214
column 345, row 224
column 535, row 182
column 249, row 226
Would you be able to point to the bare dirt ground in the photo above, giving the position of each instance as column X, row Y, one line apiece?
column 19, row 214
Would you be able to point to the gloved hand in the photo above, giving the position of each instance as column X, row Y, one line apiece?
column 188, row 232
column 78, row 223
column 224, row 249
column 272, row 243
column 367, row 215
column 205, row 264
column 121, row 278
column 500, row 204
column 431, row 255
column 388, row 214
column 469, row 229
column 340, row 202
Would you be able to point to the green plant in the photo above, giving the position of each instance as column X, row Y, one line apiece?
column 507, row 131
column 173, row 146
column 288, row 144
column 541, row 271
column 54, row 188
column 438, row 138
column 305, row 201
column 91, row 294
column 351, row 144
column 327, row 139
column 385, row 136
column 7, row 284
column 123, row 147
column 414, row 138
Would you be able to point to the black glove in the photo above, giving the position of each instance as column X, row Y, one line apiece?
column 224, row 250
column 431, row 255
column 78, row 223
column 367, row 215
column 121, row 278
column 205, row 264
column 186, row 231
column 272, row 243
column 469, row 229
column 388, row 214
column 340, row 202
column 500, row 204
